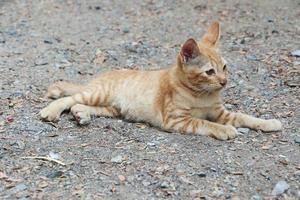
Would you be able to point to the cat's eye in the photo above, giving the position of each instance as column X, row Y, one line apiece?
column 210, row 72
column 224, row 67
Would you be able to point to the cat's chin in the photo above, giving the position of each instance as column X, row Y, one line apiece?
column 215, row 90
column 212, row 89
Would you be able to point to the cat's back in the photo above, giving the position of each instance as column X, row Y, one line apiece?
column 134, row 92
column 121, row 75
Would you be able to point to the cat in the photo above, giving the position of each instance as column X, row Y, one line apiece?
column 184, row 98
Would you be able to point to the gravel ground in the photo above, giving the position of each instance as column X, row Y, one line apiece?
column 45, row 41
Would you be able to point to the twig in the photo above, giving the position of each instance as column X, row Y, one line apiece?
column 237, row 173
column 104, row 173
column 47, row 158
column 52, row 124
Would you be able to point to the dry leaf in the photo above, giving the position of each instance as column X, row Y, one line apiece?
column 84, row 144
column 43, row 184
column 266, row 147
column 185, row 180
column 122, row 178
column 3, row 176
column 99, row 57
column 141, row 126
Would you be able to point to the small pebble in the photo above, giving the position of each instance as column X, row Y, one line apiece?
column 48, row 41
column 55, row 174
column 21, row 187
column 122, row 178
column 164, row 184
column 41, row 61
column 126, row 30
column 295, row 53
column 297, row 140
column 117, row 159
column 243, row 41
column 54, row 155
column 218, row 193
column 229, row 106
column 201, row 174
column 195, row 193
column 256, row 197
column 151, row 144
column 43, row 184
column 252, row 58
column 9, row 119
column 2, row 40
column 243, row 130
column 146, row 183
column 297, row 173
column 280, row 188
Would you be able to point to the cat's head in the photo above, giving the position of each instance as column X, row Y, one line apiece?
column 201, row 67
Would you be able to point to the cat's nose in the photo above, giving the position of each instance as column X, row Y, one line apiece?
column 223, row 82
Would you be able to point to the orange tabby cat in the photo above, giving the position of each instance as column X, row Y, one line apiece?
column 184, row 98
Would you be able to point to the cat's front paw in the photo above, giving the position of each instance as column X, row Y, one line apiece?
column 49, row 114
column 271, row 125
column 81, row 114
column 227, row 132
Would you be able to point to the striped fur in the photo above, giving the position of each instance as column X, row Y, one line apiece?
column 184, row 98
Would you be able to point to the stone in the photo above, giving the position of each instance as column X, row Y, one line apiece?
column 297, row 173
column 122, row 178
column 132, row 47
column 54, row 155
column 151, row 144
column 295, row 53
column 126, row 30
column 164, row 184
column 55, row 174
column 243, row 130
column 280, row 188
column 48, row 41
column 146, row 183
column 297, row 140
column 252, row 58
column 256, row 197
column 195, row 193
column 229, row 106
column 20, row 187
column 218, row 192
column 41, row 61
column 201, row 174
column 117, row 159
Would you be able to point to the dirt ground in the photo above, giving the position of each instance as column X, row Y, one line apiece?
column 45, row 41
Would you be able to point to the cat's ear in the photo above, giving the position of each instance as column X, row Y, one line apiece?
column 189, row 50
column 212, row 36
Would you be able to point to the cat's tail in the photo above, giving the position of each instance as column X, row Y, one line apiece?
column 62, row 89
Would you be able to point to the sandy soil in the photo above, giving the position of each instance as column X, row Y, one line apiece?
column 45, row 41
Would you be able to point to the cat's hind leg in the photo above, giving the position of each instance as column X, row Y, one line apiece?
column 53, row 111
column 94, row 96
column 62, row 89
column 83, row 113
